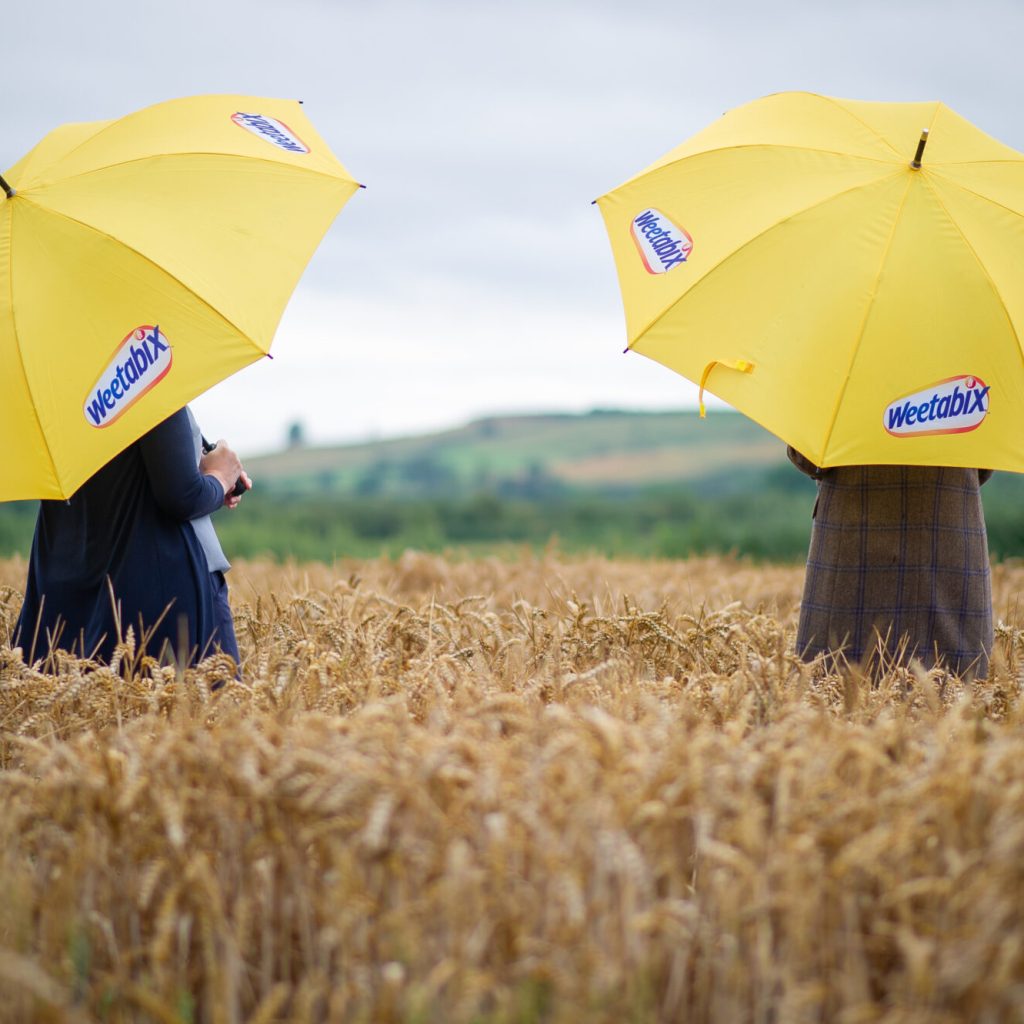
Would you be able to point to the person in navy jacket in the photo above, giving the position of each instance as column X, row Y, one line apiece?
column 122, row 551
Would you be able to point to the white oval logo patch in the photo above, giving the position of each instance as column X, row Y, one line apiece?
column 140, row 362
column 271, row 129
column 952, row 406
column 661, row 243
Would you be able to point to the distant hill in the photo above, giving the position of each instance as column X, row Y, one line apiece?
column 533, row 456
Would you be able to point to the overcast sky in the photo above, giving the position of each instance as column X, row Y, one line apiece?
column 473, row 276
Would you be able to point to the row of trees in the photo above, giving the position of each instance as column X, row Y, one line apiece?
column 766, row 517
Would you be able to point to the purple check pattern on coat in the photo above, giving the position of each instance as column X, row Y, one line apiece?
column 898, row 562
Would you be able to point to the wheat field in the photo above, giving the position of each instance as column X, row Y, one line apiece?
column 532, row 788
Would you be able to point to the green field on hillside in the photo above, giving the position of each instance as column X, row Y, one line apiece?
column 603, row 449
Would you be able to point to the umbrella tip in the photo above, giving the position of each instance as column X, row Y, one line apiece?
column 922, row 142
column 7, row 188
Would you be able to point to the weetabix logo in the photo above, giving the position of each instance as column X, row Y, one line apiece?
column 951, row 406
column 661, row 243
column 272, row 130
column 141, row 361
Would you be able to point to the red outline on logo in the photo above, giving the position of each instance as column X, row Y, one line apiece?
column 152, row 384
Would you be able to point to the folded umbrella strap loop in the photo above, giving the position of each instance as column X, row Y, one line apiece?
column 743, row 365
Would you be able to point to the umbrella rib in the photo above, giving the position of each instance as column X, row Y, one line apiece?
column 813, row 149
column 152, row 263
column 110, row 123
column 820, row 460
column 973, row 162
column 750, row 241
column 651, row 170
column 24, row 372
column 105, row 125
column 171, row 156
column 863, row 123
column 978, row 195
column 978, row 259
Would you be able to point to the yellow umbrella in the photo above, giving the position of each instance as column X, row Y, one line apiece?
column 858, row 293
column 142, row 260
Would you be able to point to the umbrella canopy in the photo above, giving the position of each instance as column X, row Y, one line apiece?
column 141, row 261
column 859, row 294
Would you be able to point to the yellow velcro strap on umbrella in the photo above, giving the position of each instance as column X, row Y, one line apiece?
column 743, row 365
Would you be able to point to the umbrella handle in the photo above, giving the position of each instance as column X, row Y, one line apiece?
column 743, row 365
column 239, row 489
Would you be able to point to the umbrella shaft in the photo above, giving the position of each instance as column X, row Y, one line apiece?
column 920, row 149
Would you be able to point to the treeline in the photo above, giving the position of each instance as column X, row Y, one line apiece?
column 668, row 525
column 767, row 517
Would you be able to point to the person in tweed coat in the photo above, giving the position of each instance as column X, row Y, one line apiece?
column 898, row 567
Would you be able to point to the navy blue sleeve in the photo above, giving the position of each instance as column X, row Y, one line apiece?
column 170, row 459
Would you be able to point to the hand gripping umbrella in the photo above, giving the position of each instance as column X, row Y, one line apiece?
column 849, row 275
column 141, row 261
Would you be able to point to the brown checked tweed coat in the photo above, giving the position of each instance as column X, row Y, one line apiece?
column 898, row 567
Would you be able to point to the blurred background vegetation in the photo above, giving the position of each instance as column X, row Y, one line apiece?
column 662, row 485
